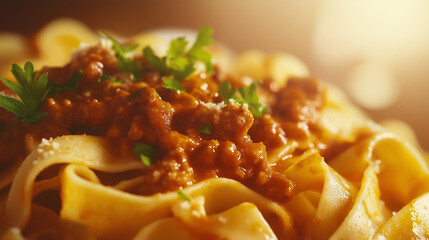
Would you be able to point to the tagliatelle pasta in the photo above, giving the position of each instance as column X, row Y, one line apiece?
column 134, row 145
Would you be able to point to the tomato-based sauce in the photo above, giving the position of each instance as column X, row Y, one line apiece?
column 131, row 112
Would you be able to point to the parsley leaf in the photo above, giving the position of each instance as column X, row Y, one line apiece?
column 181, row 68
column 145, row 153
column 226, row 91
column 106, row 77
column 172, row 83
column 125, row 64
column 31, row 92
column 103, row 78
column 205, row 129
column 159, row 64
column 178, row 62
column 71, row 84
column 117, row 81
column 177, row 47
column 183, row 196
column 248, row 95
column 197, row 51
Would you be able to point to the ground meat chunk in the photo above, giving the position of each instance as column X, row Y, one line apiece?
column 233, row 122
column 268, row 131
column 297, row 106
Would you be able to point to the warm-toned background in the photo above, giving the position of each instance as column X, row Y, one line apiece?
column 377, row 51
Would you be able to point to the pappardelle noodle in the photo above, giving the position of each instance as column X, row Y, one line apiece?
column 157, row 138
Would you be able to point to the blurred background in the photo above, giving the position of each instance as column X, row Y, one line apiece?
column 376, row 51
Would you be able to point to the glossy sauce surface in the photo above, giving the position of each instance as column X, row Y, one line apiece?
column 132, row 112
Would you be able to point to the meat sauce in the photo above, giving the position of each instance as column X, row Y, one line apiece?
column 145, row 112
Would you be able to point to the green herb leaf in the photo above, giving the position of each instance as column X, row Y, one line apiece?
column 197, row 51
column 133, row 67
column 103, row 78
column 15, row 88
column 71, row 84
column 145, row 153
column 172, row 83
column 36, row 117
column 183, row 196
column 12, row 105
column 177, row 47
column 119, row 49
column 159, row 64
column 181, row 68
column 106, row 77
column 205, row 129
column 117, row 81
column 178, row 62
column 226, row 91
column 130, row 48
column 125, row 64
column 31, row 92
column 248, row 94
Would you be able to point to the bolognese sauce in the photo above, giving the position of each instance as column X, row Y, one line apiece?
column 130, row 112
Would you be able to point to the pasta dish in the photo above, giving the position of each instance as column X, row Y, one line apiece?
column 145, row 138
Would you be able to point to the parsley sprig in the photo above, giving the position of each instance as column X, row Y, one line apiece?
column 176, row 66
column 145, row 153
column 159, row 64
column 179, row 63
column 32, row 92
column 125, row 64
column 248, row 95
column 183, row 196
column 106, row 77
column 103, row 78
column 205, row 129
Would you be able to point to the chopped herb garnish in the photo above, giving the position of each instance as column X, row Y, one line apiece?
column 159, row 64
column 103, row 78
column 183, row 196
column 205, row 129
column 226, row 91
column 71, row 84
column 145, row 153
column 172, row 83
column 197, row 51
column 31, row 92
column 181, row 68
column 177, row 47
column 106, row 77
column 117, row 81
column 178, row 63
column 248, row 95
column 125, row 64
